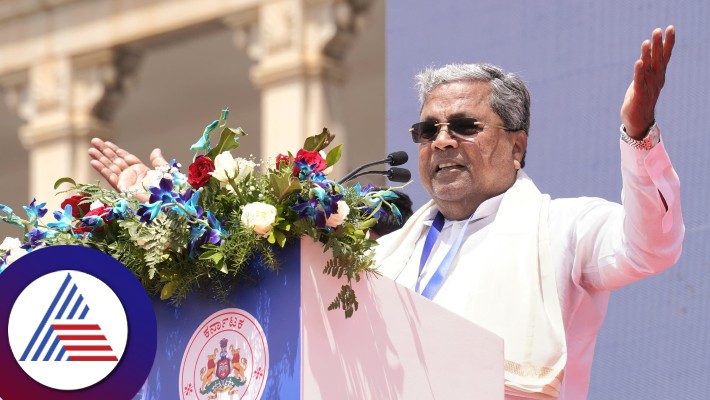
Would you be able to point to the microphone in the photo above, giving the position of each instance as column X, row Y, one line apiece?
column 393, row 159
column 394, row 174
column 397, row 158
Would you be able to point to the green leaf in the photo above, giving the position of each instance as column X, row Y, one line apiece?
column 319, row 141
column 334, row 155
column 168, row 290
column 213, row 255
column 272, row 237
column 228, row 140
column 64, row 180
column 222, row 266
column 283, row 185
column 368, row 223
column 279, row 237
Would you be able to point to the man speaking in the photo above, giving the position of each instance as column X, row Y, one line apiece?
column 493, row 249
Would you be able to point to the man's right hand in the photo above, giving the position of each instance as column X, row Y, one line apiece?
column 121, row 169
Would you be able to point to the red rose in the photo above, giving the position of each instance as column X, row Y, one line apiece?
column 282, row 160
column 311, row 158
column 198, row 175
column 102, row 212
column 77, row 210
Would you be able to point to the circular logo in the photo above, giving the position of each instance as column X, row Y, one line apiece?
column 226, row 358
column 67, row 330
column 76, row 324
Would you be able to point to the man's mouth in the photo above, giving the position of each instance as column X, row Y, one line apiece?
column 448, row 165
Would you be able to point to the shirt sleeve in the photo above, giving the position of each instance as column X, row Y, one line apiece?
column 644, row 236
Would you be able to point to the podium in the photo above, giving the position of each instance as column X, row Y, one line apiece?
column 398, row 345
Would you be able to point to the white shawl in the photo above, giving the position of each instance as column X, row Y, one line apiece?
column 517, row 299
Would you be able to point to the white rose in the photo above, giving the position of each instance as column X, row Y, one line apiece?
column 259, row 217
column 10, row 243
column 224, row 167
column 244, row 168
column 96, row 204
column 337, row 218
column 15, row 253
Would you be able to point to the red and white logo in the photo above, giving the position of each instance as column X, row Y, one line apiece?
column 226, row 358
column 67, row 330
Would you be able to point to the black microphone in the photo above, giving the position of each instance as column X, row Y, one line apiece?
column 397, row 158
column 394, row 174
column 394, row 158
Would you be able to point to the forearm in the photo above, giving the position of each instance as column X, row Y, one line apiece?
column 652, row 224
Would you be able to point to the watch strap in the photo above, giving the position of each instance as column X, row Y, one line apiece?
column 652, row 138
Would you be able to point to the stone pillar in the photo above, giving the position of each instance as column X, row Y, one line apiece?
column 299, row 47
column 65, row 101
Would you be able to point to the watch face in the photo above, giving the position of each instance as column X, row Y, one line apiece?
column 653, row 137
column 647, row 142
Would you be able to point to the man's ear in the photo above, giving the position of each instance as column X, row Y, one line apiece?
column 520, row 145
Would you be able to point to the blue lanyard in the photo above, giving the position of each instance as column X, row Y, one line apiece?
column 442, row 271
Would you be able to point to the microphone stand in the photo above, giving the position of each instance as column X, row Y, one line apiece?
column 396, row 158
column 394, row 174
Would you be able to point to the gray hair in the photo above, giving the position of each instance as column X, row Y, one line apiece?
column 509, row 99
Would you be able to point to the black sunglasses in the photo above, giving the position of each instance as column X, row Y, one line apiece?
column 464, row 128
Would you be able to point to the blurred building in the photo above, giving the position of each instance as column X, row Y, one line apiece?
column 153, row 73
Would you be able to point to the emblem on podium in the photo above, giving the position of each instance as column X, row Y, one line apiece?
column 227, row 357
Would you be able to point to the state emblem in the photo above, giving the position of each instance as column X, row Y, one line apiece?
column 226, row 358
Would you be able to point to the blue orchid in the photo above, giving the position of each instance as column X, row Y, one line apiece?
column 34, row 212
column 10, row 216
column 189, row 203
column 148, row 211
column 197, row 231
column 363, row 190
column 214, row 234
column 161, row 195
column 373, row 204
column 92, row 223
column 309, row 172
column 36, row 236
column 321, row 205
column 63, row 219
column 204, row 142
column 120, row 210
column 179, row 178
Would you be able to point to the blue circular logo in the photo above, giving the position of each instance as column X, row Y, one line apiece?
column 79, row 326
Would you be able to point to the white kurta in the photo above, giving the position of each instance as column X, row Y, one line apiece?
column 595, row 246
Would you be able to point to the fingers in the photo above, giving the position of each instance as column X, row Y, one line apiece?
column 639, row 76
column 156, row 158
column 668, row 43
column 110, row 176
column 646, row 54
column 657, row 62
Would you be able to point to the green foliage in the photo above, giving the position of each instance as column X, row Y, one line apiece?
column 319, row 141
column 228, row 140
column 334, row 155
column 345, row 300
column 173, row 256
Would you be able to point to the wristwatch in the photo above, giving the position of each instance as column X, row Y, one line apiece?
column 652, row 137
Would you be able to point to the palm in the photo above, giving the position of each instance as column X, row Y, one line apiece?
column 637, row 111
column 121, row 169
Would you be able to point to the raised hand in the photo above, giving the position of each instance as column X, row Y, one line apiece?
column 119, row 168
column 637, row 112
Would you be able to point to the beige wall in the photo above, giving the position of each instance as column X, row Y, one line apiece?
column 182, row 83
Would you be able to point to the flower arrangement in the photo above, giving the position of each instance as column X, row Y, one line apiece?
column 203, row 230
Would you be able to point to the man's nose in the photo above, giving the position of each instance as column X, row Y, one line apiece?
column 444, row 138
